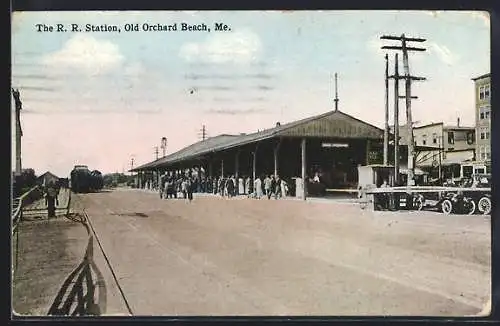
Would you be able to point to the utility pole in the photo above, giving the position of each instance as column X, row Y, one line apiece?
column 386, row 126
column 336, row 95
column 396, row 120
column 131, row 166
column 408, row 79
column 203, row 133
column 19, row 132
column 164, row 145
column 156, row 152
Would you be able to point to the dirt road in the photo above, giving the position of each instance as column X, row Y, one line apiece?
column 217, row 256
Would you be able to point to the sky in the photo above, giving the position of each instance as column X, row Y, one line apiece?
column 103, row 98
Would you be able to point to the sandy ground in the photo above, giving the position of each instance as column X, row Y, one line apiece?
column 216, row 256
column 48, row 251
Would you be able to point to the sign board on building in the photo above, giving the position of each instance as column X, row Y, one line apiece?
column 330, row 145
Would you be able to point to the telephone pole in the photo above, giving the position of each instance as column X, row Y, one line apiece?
column 408, row 79
column 336, row 94
column 156, row 152
column 203, row 133
column 164, row 145
column 19, row 132
column 386, row 126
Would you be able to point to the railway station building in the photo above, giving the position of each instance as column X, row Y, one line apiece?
column 332, row 144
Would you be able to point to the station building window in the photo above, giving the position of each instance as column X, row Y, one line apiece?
column 481, row 92
column 486, row 92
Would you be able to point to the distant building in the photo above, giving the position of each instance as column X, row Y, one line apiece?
column 482, row 86
column 47, row 177
column 442, row 148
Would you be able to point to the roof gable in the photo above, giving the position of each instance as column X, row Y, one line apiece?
column 332, row 124
column 48, row 174
column 329, row 124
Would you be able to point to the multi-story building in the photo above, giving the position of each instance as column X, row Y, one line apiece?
column 482, row 91
column 447, row 148
column 441, row 149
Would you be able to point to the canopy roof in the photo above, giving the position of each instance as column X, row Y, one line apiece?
column 331, row 124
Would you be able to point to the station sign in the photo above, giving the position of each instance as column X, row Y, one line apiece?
column 333, row 145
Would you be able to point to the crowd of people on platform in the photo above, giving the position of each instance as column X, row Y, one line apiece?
column 182, row 184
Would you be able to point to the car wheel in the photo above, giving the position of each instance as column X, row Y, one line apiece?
column 447, row 206
column 419, row 202
column 484, row 205
column 470, row 206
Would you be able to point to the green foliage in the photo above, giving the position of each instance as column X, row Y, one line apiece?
column 24, row 182
column 115, row 179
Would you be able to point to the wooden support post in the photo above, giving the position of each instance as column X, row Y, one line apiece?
column 222, row 168
column 255, row 163
column 237, row 165
column 276, row 158
column 368, row 149
column 210, row 168
column 303, row 150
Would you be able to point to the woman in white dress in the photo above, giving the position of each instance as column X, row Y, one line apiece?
column 258, row 188
column 247, row 186
column 241, row 186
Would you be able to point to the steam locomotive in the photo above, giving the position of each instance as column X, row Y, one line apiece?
column 83, row 180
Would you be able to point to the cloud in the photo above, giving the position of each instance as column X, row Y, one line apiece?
column 86, row 54
column 235, row 47
column 443, row 53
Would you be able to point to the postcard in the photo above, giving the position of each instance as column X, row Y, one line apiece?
column 251, row 163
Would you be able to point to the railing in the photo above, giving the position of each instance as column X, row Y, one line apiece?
column 18, row 205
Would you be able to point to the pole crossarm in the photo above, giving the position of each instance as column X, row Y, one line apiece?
column 400, row 38
column 406, row 77
column 409, row 48
column 413, row 97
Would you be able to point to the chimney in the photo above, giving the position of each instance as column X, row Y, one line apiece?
column 458, row 122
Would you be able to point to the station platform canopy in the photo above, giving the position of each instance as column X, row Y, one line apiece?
column 332, row 124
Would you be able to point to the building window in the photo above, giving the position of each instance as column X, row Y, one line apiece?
column 424, row 140
column 487, row 135
column 482, row 135
column 481, row 93
column 470, row 138
column 451, row 137
column 484, row 113
column 486, row 92
column 482, row 153
column 434, row 138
